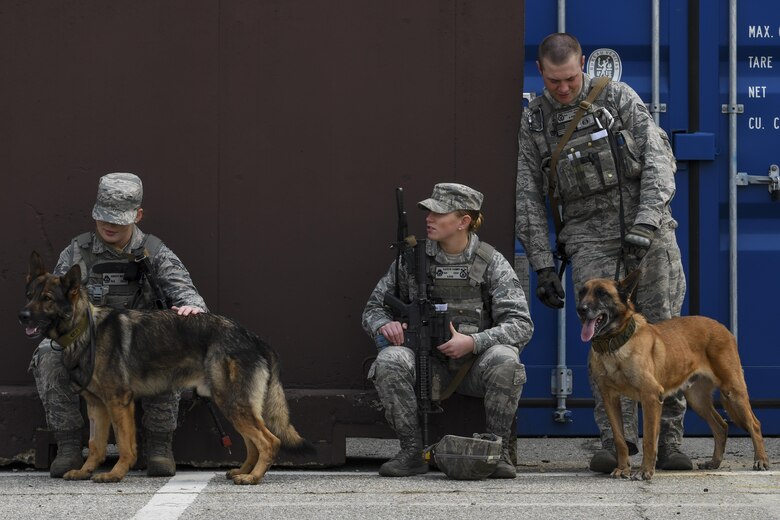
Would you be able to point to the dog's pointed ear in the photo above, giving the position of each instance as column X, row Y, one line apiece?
column 627, row 286
column 36, row 267
column 71, row 282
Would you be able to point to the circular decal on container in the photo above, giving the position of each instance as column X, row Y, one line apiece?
column 605, row 62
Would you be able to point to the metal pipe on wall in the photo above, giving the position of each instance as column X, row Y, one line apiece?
column 561, row 368
column 561, row 15
column 562, row 378
column 732, row 111
column 655, row 101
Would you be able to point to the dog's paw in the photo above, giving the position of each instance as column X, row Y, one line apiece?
column 761, row 465
column 621, row 473
column 643, row 475
column 232, row 473
column 107, row 478
column 77, row 474
column 710, row 464
column 245, row 479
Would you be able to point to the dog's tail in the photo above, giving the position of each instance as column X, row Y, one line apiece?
column 277, row 418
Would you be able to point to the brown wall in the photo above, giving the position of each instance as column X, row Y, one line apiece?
column 270, row 136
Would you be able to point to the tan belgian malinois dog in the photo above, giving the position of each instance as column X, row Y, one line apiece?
column 648, row 362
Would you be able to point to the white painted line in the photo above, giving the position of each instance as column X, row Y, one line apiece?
column 175, row 497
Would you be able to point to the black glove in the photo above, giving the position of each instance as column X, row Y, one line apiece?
column 549, row 289
column 638, row 240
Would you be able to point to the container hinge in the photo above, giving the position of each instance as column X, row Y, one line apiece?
column 772, row 180
column 739, row 108
column 561, row 387
column 656, row 108
column 561, row 382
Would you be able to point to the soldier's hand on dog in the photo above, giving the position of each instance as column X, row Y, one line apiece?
column 549, row 289
column 186, row 310
column 458, row 346
column 639, row 239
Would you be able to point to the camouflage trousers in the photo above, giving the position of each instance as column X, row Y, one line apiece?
column 497, row 376
column 659, row 297
column 62, row 404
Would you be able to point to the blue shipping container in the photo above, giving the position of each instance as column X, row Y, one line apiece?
column 694, row 108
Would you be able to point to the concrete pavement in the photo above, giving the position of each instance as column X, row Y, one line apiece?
column 553, row 483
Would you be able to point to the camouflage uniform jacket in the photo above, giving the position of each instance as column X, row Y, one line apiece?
column 172, row 277
column 512, row 323
column 647, row 190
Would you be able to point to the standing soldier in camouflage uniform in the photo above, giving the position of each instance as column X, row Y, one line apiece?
column 490, row 320
column 615, row 191
column 110, row 274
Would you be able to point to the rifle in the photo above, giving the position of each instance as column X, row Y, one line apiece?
column 145, row 270
column 426, row 321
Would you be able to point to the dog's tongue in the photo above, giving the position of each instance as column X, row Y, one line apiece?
column 31, row 331
column 588, row 329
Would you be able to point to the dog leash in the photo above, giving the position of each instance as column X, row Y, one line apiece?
column 622, row 257
column 80, row 386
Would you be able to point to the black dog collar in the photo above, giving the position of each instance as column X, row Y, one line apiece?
column 610, row 344
column 69, row 337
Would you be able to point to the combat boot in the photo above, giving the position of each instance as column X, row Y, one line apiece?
column 505, row 468
column 605, row 460
column 671, row 458
column 68, row 453
column 407, row 462
column 159, row 454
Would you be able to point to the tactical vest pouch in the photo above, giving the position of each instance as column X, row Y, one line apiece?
column 586, row 166
column 98, row 294
column 127, row 271
column 114, row 284
column 467, row 320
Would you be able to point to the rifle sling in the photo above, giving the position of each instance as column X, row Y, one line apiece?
column 598, row 85
column 462, row 371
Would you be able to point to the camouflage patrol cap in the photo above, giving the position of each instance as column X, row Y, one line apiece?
column 468, row 458
column 118, row 198
column 450, row 196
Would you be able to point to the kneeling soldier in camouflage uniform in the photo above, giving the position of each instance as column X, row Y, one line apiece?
column 488, row 320
column 112, row 275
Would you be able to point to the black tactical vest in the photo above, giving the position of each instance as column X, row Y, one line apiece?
column 117, row 282
column 592, row 159
column 463, row 288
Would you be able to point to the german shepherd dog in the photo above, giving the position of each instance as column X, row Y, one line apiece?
column 648, row 362
column 136, row 353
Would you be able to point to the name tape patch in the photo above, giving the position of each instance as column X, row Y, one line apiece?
column 452, row 272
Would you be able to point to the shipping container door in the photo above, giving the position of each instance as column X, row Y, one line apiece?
column 692, row 87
